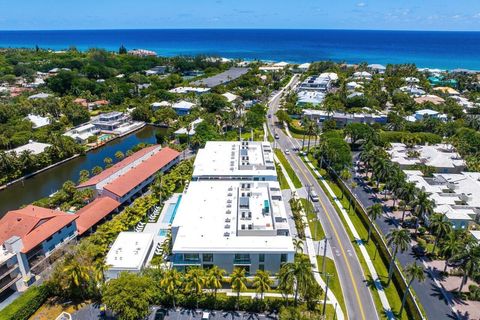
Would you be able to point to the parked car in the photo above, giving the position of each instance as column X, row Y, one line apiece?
column 419, row 250
column 276, row 136
column 205, row 315
column 287, row 152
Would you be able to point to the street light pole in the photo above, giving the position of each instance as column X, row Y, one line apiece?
column 324, row 255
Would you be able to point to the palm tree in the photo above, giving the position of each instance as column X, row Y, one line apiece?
column 238, row 281
column 374, row 212
column 440, row 227
column 195, row 281
column 298, row 245
column 171, row 284
column 108, row 162
column 422, row 206
column 399, row 239
column 412, row 272
column 78, row 275
column 451, row 247
column 469, row 260
column 262, row 282
column 119, row 155
column 297, row 274
column 83, row 176
column 96, row 170
column 310, row 128
column 215, row 277
column 407, row 193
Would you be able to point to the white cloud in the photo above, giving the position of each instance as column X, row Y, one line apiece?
column 361, row 4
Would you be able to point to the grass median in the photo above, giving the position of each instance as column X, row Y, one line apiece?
column 288, row 168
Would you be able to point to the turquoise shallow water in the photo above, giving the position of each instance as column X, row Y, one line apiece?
column 446, row 50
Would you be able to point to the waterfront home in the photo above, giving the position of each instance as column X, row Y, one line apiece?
column 457, row 195
column 38, row 121
column 83, row 132
column 442, row 157
column 110, row 121
column 28, row 236
column 32, row 146
column 130, row 252
column 302, row 68
column 130, row 177
column 183, row 107
column 436, row 100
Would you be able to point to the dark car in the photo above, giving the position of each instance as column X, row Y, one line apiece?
column 160, row 314
column 419, row 251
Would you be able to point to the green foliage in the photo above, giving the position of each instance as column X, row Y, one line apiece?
column 26, row 305
column 213, row 102
column 255, row 117
column 406, row 137
column 335, row 151
column 128, row 296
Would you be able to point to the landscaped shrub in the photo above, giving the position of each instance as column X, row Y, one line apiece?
column 26, row 305
column 474, row 292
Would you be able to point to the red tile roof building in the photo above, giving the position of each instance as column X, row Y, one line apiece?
column 128, row 177
column 33, row 225
column 94, row 212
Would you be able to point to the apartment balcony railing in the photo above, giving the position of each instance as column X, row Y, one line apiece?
column 5, row 283
column 242, row 261
column 5, row 271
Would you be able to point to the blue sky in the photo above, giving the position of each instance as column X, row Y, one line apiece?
column 316, row 14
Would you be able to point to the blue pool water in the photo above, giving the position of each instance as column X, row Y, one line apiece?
column 446, row 50
column 163, row 232
column 171, row 211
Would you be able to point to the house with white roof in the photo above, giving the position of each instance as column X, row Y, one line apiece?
column 362, row 75
column 442, row 157
column 183, row 107
column 353, row 86
column 185, row 90
column 426, row 113
column 40, row 95
column 83, row 132
column 314, row 98
column 230, row 96
column 322, row 82
column 377, row 68
column 129, row 253
column 457, row 195
column 302, row 67
column 190, row 132
column 32, row 146
column 38, row 121
column 163, row 104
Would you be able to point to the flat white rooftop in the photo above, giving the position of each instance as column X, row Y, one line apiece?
column 231, row 217
column 438, row 156
column 32, row 146
column 129, row 251
column 227, row 159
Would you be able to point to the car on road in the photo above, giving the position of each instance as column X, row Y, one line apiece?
column 419, row 251
column 270, row 116
column 313, row 196
column 276, row 136
column 287, row 152
column 206, row 316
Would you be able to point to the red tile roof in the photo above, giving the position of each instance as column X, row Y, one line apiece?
column 95, row 211
column 123, row 184
column 118, row 166
column 33, row 225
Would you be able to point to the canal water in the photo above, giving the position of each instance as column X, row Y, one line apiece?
column 49, row 181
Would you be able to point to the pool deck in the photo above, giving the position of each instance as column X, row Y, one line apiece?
column 159, row 225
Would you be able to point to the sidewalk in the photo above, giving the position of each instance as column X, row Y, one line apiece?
column 311, row 250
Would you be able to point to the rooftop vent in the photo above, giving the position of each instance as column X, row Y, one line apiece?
column 226, row 234
column 227, row 226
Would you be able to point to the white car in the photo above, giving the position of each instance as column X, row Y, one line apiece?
column 205, row 315
column 287, row 151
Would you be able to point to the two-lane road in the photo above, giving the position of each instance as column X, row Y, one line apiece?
column 357, row 295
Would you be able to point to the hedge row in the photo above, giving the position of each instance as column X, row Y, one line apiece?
column 411, row 307
column 295, row 129
column 24, row 306
column 226, row 303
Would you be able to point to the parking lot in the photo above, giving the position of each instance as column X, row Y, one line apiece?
column 184, row 314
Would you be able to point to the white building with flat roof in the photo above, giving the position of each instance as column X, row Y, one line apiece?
column 129, row 253
column 235, row 160
column 443, row 157
column 185, row 90
column 322, row 82
column 232, row 224
column 38, row 121
column 32, row 146
column 457, row 195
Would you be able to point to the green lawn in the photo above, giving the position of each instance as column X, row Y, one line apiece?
column 288, row 168
column 334, row 283
column 393, row 295
column 315, row 225
column 282, row 180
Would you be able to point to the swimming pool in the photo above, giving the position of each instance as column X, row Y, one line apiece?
column 171, row 211
column 163, row 232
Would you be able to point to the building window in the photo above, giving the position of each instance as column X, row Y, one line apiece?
column 261, row 267
column 191, row 257
column 242, row 258
column 283, row 258
column 261, row 257
column 207, row 257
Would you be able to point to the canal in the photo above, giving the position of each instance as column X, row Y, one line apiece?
column 47, row 182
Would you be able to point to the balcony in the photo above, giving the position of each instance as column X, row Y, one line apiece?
column 4, row 270
column 242, row 261
column 179, row 260
column 6, row 282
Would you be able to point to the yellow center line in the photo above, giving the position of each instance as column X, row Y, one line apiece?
column 339, row 242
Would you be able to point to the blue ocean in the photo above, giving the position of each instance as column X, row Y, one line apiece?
column 445, row 50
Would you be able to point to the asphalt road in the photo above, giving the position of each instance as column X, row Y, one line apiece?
column 357, row 295
column 429, row 294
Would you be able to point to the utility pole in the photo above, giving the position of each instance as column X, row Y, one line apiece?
column 326, row 293
column 324, row 254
